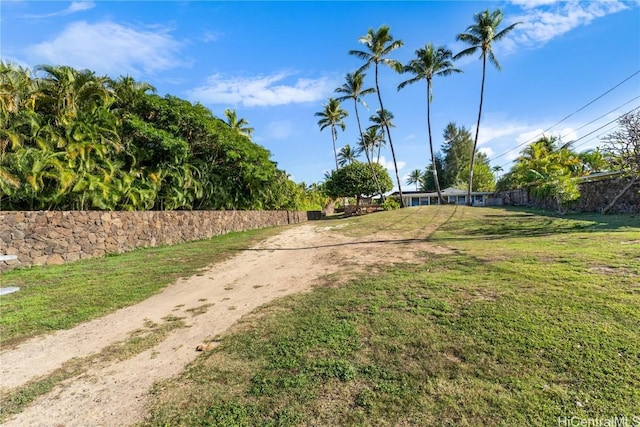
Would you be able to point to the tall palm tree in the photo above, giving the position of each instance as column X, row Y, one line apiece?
column 380, row 44
column 415, row 176
column 353, row 89
column 480, row 36
column 430, row 62
column 347, row 155
column 239, row 125
column 332, row 116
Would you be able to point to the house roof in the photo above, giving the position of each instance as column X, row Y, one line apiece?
column 450, row 191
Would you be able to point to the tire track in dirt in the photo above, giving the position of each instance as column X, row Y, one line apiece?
column 114, row 394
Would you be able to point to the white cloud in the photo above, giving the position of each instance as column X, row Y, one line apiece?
column 488, row 151
column 529, row 4
column 389, row 164
column 528, row 137
column 109, row 48
column 540, row 24
column 489, row 133
column 79, row 6
column 565, row 135
column 261, row 91
column 75, row 6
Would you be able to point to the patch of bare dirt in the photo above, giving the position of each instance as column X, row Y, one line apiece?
column 114, row 393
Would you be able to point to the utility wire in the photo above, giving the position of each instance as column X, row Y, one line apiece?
column 603, row 126
column 590, row 133
column 567, row 117
column 604, row 115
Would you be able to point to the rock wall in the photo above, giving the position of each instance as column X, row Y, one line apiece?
column 594, row 196
column 56, row 237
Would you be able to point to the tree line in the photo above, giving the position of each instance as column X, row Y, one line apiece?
column 548, row 166
column 430, row 61
column 73, row 140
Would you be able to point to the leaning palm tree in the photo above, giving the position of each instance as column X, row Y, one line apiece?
column 332, row 116
column 380, row 44
column 480, row 36
column 353, row 89
column 239, row 125
column 415, row 177
column 430, row 62
column 347, row 155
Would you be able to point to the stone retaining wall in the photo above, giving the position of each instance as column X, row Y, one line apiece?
column 56, row 237
column 594, row 196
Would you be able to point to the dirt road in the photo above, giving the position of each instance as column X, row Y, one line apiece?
column 114, row 393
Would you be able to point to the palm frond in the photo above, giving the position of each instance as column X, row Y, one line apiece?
column 493, row 60
column 365, row 56
column 505, row 31
column 466, row 52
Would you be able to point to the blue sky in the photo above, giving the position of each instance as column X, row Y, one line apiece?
column 276, row 63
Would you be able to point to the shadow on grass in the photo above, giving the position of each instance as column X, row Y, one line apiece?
column 519, row 222
column 337, row 245
column 425, row 239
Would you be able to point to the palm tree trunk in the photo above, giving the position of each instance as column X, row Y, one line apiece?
column 475, row 142
column 433, row 159
column 333, row 137
column 393, row 153
column 366, row 151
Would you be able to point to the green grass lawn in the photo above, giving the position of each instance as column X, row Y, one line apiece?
column 531, row 320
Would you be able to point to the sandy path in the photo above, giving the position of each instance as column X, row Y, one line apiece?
column 114, row 395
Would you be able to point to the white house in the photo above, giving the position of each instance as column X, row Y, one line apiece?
column 452, row 195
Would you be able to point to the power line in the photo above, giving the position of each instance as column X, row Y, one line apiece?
column 604, row 115
column 592, row 132
column 570, row 115
column 603, row 126
column 597, row 136
column 582, row 108
column 594, row 120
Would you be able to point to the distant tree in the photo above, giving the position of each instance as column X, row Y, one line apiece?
column 373, row 139
column 622, row 148
column 354, row 89
column 415, row 177
column 239, row 125
column 332, row 116
column 380, row 43
column 427, row 183
column 485, row 179
column 457, row 155
column 347, row 155
column 593, row 161
column 380, row 120
column 548, row 169
column 480, row 36
column 356, row 180
column 430, row 62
